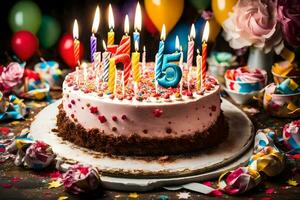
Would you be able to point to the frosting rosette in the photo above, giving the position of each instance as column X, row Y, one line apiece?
column 80, row 179
column 254, row 22
column 11, row 76
column 244, row 80
column 291, row 135
column 38, row 156
column 289, row 17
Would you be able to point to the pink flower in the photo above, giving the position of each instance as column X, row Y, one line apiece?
column 11, row 76
column 289, row 17
column 254, row 22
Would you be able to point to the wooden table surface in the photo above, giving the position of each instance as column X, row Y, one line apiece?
column 20, row 183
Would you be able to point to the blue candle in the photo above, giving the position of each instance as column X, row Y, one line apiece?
column 137, row 24
column 159, row 58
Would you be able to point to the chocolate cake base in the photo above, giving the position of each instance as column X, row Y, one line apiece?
column 135, row 145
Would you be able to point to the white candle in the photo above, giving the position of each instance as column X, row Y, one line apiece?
column 144, row 59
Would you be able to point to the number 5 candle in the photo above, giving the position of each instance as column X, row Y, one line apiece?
column 93, row 38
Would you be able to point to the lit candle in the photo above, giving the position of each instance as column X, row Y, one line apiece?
column 111, row 25
column 199, row 71
column 204, row 51
column 181, row 67
column 76, row 41
column 191, row 45
column 159, row 56
column 125, row 46
column 105, row 63
column 135, row 61
column 137, row 24
column 177, row 44
column 144, row 59
column 93, row 39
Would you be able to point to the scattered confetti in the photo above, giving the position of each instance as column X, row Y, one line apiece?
column 62, row 198
column 15, row 122
column 207, row 183
column 163, row 197
column 292, row 182
column 183, row 195
column 4, row 130
column 54, row 184
column 133, row 195
column 15, row 179
column 6, row 185
column 55, row 175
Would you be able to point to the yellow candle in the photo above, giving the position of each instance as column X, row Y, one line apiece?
column 135, row 61
column 111, row 24
column 112, row 75
column 199, row 71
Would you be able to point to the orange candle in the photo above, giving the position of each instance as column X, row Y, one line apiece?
column 204, row 51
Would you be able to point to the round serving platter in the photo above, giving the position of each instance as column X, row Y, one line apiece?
column 146, row 173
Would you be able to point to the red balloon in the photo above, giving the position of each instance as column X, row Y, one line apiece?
column 24, row 44
column 66, row 50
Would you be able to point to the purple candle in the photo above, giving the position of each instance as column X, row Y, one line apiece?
column 93, row 38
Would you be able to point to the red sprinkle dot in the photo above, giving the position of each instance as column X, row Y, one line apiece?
column 94, row 110
column 157, row 112
column 213, row 108
column 168, row 130
column 73, row 101
column 72, row 115
column 114, row 118
column 102, row 118
column 69, row 105
column 124, row 117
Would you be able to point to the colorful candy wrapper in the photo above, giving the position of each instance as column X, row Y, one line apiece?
column 291, row 135
column 38, row 156
column 50, row 72
column 33, row 89
column 288, row 86
column 12, row 108
column 80, row 179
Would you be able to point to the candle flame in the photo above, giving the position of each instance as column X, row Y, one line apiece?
column 177, row 43
column 163, row 32
column 205, row 32
column 198, row 52
column 96, row 20
column 138, row 18
column 144, row 48
column 75, row 30
column 126, row 25
column 136, row 46
column 193, row 32
column 104, row 45
column 111, row 20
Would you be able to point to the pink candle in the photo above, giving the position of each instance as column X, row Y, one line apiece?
column 191, row 45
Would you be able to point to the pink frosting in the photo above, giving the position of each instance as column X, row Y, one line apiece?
column 11, row 76
column 246, row 75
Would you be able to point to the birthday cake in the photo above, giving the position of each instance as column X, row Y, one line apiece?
column 140, row 121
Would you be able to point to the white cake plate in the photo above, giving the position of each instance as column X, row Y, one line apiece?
column 136, row 174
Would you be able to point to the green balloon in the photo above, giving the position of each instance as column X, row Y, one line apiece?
column 200, row 5
column 49, row 32
column 25, row 15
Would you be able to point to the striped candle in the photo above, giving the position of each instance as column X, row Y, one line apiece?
column 137, row 24
column 159, row 55
column 97, row 60
column 105, row 64
column 112, row 75
column 191, row 45
column 93, row 43
column 93, row 39
column 199, row 72
column 204, row 51
column 125, row 46
column 135, row 61
column 125, row 59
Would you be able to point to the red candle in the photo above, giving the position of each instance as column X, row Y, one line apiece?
column 204, row 51
column 125, row 59
column 125, row 44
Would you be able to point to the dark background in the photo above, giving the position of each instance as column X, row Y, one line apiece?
column 65, row 11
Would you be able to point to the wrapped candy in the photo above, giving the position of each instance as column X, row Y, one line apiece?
column 38, row 156
column 291, row 135
column 288, row 86
column 12, row 108
column 50, row 72
column 80, row 178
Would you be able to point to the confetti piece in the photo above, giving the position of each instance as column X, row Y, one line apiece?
column 269, row 191
column 62, row 198
column 207, row 183
column 4, row 130
column 54, row 184
column 15, row 179
column 292, row 182
column 183, row 195
column 15, row 122
column 55, row 175
column 216, row 193
column 6, row 185
column 133, row 195
column 163, row 197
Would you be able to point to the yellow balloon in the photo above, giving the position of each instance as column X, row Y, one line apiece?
column 164, row 12
column 221, row 9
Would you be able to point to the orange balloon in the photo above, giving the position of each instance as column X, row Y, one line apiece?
column 221, row 9
column 164, row 12
column 214, row 29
